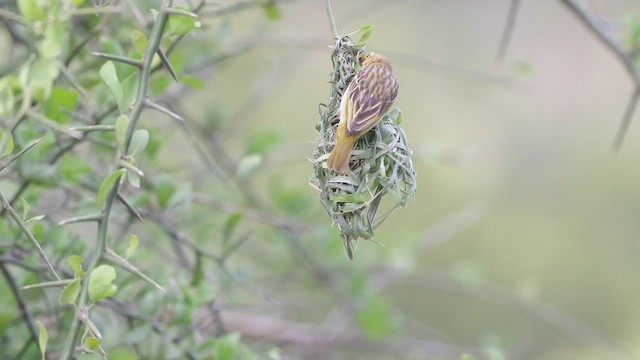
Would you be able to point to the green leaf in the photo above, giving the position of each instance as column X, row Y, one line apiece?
column 35, row 218
column 129, row 90
column 192, row 81
column 164, row 189
column 43, row 337
column 133, row 245
column 121, row 130
column 8, row 101
column 139, row 41
column 92, row 343
column 25, row 208
column 38, row 76
column 32, row 10
column 229, row 225
column 248, row 164
column 139, row 141
column 60, row 103
column 6, row 142
column 54, row 35
column 70, row 292
column 107, row 185
column 198, row 272
column 101, row 283
column 271, row 10
column 133, row 179
column 75, row 261
column 110, row 77
column 366, row 33
column 180, row 25
column 225, row 347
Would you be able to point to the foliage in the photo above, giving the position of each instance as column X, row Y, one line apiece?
column 92, row 205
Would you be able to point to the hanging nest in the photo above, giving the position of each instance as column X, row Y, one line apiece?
column 380, row 163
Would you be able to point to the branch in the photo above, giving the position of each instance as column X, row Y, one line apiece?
column 600, row 29
column 508, row 31
column 332, row 20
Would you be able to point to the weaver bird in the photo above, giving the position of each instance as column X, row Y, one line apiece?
column 367, row 98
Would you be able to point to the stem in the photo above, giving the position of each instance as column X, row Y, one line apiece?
column 25, row 230
column 332, row 21
column 134, row 116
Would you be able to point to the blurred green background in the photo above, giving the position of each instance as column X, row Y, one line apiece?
column 522, row 242
column 525, row 224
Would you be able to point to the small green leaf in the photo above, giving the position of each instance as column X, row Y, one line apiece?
column 139, row 41
column 107, row 185
column 25, row 208
column 75, row 261
column 60, row 103
column 180, row 25
column 129, row 90
column 366, row 33
column 101, row 283
column 43, row 337
column 32, row 10
column 110, row 77
column 139, row 141
column 70, row 292
column 121, row 130
column 192, row 81
column 271, row 10
column 198, row 272
column 229, row 225
column 133, row 245
column 39, row 75
column 133, row 179
column 35, row 218
column 8, row 86
column 6, row 142
column 248, row 164
column 92, row 343
column 225, row 347
column 51, row 45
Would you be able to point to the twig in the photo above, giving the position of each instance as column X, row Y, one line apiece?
column 134, row 116
column 508, row 31
column 25, row 230
column 332, row 20
column 599, row 28
column 626, row 120
column 24, row 311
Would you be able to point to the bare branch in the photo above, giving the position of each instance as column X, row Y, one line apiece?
column 603, row 32
column 508, row 31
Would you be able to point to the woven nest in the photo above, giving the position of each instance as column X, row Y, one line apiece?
column 380, row 163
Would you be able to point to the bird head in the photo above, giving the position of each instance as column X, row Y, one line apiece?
column 375, row 58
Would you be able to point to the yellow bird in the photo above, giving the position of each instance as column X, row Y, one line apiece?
column 367, row 98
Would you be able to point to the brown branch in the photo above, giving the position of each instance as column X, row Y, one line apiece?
column 601, row 30
column 508, row 31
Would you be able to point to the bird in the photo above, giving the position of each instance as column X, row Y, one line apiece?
column 367, row 98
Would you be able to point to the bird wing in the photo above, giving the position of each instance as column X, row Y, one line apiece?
column 368, row 98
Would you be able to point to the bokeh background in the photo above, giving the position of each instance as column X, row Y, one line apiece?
column 524, row 231
column 522, row 241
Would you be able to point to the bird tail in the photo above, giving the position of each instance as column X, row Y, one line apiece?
column 341, row 154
